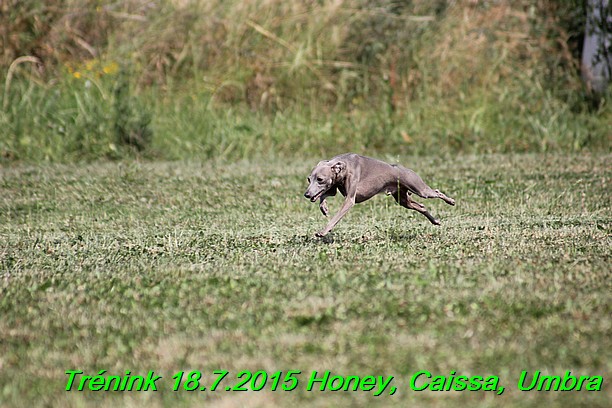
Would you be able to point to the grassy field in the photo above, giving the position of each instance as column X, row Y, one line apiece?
column 170, row 266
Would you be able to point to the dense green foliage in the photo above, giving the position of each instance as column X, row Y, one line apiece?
column 86, row 80
column 175, row 266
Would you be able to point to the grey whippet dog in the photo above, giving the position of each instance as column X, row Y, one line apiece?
column 359, row 178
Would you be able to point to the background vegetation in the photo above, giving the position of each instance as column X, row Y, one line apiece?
column 93, row 79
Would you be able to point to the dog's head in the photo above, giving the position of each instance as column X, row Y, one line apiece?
column 323, row 177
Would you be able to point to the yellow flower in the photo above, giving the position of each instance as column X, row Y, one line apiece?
column 77, row 75
column 111, row 68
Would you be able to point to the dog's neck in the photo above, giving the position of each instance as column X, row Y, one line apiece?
column 339, row 178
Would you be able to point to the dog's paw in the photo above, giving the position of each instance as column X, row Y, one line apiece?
column 320, row 234
column 324, row 209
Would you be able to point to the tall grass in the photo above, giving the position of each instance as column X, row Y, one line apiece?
column 86, row 115
column 234, row 78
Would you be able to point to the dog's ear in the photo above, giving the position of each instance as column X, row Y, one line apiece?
column 339, row 167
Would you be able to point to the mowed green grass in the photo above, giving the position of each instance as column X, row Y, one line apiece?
column 207, row 266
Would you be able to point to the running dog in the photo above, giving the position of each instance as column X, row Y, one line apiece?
column 359, row 178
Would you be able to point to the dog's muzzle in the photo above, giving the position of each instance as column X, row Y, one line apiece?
column 311, row 197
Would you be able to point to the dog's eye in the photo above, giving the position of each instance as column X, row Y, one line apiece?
column 320, row 179
column 308, row 179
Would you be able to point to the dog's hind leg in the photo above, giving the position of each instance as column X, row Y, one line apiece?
column 414, row 183
column 402, row 197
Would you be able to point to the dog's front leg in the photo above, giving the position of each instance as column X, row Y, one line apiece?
column 323, row 204
column 349, row 202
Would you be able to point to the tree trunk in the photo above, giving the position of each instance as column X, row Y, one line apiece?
column 596, row 54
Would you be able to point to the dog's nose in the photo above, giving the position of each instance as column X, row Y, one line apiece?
column 307, row 195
